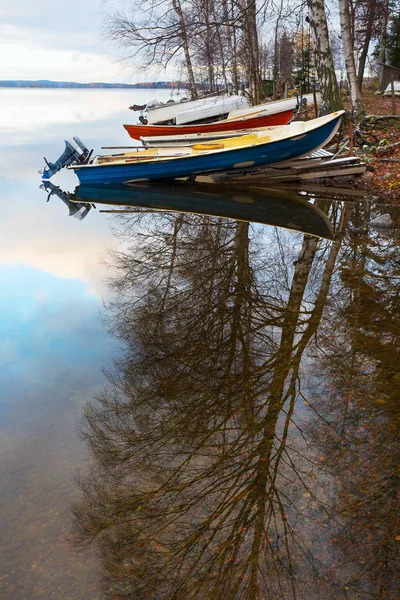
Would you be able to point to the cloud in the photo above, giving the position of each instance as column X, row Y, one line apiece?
column 44, row 109
column 63, row 42
column 42, row 37
column 33, row 124
column 41, row 57
column 73, row 15
column 42, row 236
column 50, row 330
column 66, row 257
column 8, row 352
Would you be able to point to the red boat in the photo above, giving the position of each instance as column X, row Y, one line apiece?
column 260, row 119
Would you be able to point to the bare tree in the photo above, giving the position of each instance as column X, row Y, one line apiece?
column 369, row 23
column 356, row 398
column 185, row 43
column 250, row 50
column 197, row 481
column 384, row 13
column 323, row 56
column 355, row 94
column 161, row 33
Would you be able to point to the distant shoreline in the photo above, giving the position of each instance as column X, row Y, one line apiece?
column 40, row 84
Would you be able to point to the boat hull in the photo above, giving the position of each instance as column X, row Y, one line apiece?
column 212, row 109
column 167, row 112
column 270, row 107
column 247, row 157
column 267, row 207
column 193, row 110
column 264, row 120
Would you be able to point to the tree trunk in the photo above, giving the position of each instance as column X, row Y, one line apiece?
column 178, row 9
column 348, row 49
column 364, row 51
column 252, row 49
column 323, row 55
column 221, row 49
column 276, row 53
column 383, row 34
column 255, row 53
column 236, row 77
column 231, row 41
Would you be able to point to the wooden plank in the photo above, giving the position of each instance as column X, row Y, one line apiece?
column 321, row 153
column 324, row 190
column 337, row 161
column 315, row 167
column 330, row 169
column 344, row 160
column 310, row 188
column 300, row 163
column 295, row 166
column 267, row 178
column 314, row 156
column 320, row 174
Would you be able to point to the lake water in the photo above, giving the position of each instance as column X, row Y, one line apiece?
column 241, row 431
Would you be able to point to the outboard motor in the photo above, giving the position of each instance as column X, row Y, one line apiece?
column 138, row 107
column 79, row 210
column 77, row 153
column 85, row 151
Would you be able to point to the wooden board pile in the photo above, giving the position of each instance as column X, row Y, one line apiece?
column 320, row 165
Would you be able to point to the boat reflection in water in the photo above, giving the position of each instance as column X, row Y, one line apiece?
column 78, row 210
column 257, row 205
column 247, row 443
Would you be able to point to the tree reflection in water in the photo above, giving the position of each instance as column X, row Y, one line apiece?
column 203, row 482
column 358, row 410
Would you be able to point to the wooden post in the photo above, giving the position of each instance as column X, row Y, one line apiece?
column 285, row 93
column 301, row 91
column 315, row 101
column 351, row 144
column 393, row 97
column 274, row 90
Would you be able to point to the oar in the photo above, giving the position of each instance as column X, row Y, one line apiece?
column 120, row 147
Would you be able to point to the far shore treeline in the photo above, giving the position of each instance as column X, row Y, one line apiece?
column 22, row 83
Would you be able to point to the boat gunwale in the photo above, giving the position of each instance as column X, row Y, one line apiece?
column 326, row 119
column 296, row 99
column 239, row 119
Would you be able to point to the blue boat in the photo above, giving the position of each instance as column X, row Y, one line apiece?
column 260, row 148
column 244, row 203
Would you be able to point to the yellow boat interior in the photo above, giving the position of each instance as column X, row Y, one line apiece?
column 257, row 136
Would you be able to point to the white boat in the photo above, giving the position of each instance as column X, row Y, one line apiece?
column 273, row 107
column 396, row 89
column 162, row 113
column 211, row 108
column 195, row 110
column 266, row 146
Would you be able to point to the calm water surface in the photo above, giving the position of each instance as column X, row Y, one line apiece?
column 241, row 439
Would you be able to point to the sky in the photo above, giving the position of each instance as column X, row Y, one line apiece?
column 61, row 41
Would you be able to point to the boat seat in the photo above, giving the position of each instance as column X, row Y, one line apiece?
column 252, row 138
column 210, row 146
column 173, row 151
